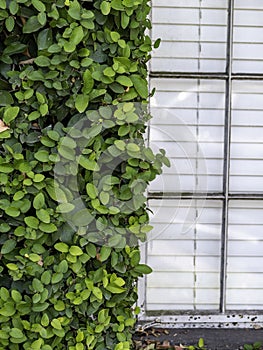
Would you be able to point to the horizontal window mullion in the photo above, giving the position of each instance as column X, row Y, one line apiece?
column 206, row 196
column 220, row 76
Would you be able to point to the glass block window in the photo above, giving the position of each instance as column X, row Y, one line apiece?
column 206, row 249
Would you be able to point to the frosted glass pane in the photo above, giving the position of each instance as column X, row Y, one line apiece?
column 245, row 256
column 184, row 247
column 188, row 119
column 193, row 35
column 246, row 168
column 191, row 3
column 244, row 4
column 248, row 30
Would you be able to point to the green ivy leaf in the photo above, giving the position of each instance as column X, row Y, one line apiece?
column 66, row 152
column 44, row 39
column 125, row 81
column 38, row 5
column 14, row 48
column 75, row 250
column 6, row 168
column 10, row 114
column 95, row 93
column 42, row 61
column 115, row 36
column 45, row 320
column 62, row 266
column 46, row 277
column 8, row 309
column 8, row 246
column 37, row 344
column 69, row 47
column 65, row 208
column 104, row 197
column 77, row 35
column 81, row 103
column 125, row 19
column 32, row 25
column 37, row 285
column 105, row 8
column 117, row 5
column 135, row 258
column 13, row 7
column 32, row 222
column 40, row 307
column 132, row 147
column 10, row 23
column 97, row 293
column 33, row 115
column 88, row 82
column 104, row 253
column 62, row 247
column 91, row 250
column 157, row 43
column 92, row 190
column 2, row 4
column 4, row 227
column 88, row 163
column 48, row 228
column 38, row 178
column 74, row 9
column 12, row 211
column 42, row 156
column 60, row 306
column 140, row 85
column 42, row 18
column 12, row 267
column 39, row 201
column 115, row 289
column 57, row 277
column 82, row 218
column 16, row 296
column 143, row 269
column 43, row 215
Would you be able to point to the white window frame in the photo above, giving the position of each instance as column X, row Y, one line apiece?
column 222, row 319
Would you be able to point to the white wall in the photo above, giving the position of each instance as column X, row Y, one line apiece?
column 184, row 249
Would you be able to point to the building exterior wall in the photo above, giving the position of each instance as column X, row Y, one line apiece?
column 206, row 247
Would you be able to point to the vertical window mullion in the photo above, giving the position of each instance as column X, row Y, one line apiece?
column 227, row 144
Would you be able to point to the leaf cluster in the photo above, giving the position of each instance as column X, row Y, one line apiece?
column 73, row 171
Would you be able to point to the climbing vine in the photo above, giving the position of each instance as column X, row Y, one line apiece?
column 73, row 171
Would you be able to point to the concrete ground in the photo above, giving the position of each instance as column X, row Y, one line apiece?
column 215, row 339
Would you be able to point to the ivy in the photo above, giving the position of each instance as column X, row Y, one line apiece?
column 74, row 168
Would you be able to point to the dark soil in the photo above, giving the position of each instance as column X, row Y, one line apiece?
column 215, row 339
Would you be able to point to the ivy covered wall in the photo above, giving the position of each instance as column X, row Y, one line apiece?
column 73, row 171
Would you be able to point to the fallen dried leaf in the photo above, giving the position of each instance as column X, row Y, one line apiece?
column 164, row 345
column 256, row 326
column 3, row 127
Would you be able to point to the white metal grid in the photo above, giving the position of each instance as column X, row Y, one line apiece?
column 207, row 45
